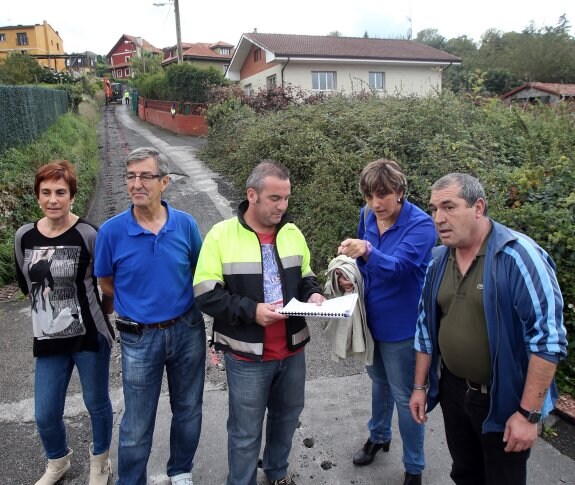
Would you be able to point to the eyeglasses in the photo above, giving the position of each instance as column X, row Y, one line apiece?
column 144, row 177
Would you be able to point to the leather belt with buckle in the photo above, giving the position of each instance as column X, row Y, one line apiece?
column 482, row 388
column 126, row 325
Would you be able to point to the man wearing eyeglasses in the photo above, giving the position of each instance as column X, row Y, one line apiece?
column 145, row 259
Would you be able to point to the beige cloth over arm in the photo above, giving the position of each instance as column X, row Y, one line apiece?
column 348, row 337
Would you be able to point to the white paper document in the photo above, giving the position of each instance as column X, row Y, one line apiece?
column 340, row 307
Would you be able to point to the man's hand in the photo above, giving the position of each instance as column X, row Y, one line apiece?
column 316, row 298
column 417, row 406
column 519, row 433
column 354, row 248
column 266, row 315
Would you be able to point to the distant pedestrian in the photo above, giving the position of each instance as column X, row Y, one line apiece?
column 392, row 251
column 489, row 336
column 127, row 96
column 248, row 266
column 54, row 267
column 145, row 260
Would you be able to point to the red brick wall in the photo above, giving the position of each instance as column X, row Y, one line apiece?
column 160, row 115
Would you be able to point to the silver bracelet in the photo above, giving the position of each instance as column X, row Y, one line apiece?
column 420, row 387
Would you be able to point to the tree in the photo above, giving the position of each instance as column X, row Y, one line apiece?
column 335, row 33
column 101, row 66
column 147, row 63
column 20, row 68
column 431, row 37
column 498, row 81
column 189, row 82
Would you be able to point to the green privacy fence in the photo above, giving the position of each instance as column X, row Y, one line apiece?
column 27, row 111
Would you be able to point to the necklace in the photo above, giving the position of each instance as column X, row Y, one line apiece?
column 383, row 225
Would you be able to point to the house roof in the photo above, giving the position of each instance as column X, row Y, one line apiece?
column 552, row 88
column 31, row 26
column 284, row 47
column 348, row 47
column 201, row 51
column 139, row 41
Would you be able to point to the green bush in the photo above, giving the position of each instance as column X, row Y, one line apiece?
column 525, row 159
column 70, row 138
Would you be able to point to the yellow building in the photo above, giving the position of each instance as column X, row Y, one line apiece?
column 40, row 41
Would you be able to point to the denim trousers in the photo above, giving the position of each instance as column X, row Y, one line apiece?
column 181, row 350
column 478, row 458
column 392, row 375
column 279, row 386
column 51, row 379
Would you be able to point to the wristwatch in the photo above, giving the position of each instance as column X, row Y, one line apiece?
column 531, row 416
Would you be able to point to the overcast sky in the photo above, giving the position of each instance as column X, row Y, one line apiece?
column 97, row 25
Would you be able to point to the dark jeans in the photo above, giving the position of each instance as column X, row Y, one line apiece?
column 478, row 458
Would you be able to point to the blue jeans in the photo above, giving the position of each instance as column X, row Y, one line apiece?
column 279, row 386
column 51, row 379
column 392, row 375
column 181, row 349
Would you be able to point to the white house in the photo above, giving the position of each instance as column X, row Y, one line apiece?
column 338, row 64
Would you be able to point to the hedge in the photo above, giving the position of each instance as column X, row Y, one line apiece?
column 27, row 112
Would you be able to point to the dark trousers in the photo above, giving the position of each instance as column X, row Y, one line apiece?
column 478, row 458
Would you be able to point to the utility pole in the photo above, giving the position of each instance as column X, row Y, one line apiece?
column 178, row 32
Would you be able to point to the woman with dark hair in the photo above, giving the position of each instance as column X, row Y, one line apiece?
column 54, row 266
column 392, row 251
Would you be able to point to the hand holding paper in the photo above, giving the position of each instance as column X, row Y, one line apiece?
column 341, row 307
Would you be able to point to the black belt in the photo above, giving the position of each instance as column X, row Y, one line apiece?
column 126, row 325
column 482, row 388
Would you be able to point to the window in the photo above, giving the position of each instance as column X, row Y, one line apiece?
column 119, row 73
column 323, row 80
column 257, row 55
column 225, row 51
column 127, row 58
column 271, row 81
column 127, row 72
column 248, row 89
column 2, row 37
column 22, row 38
column 377, row 80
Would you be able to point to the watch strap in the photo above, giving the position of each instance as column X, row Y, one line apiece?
column 531, row 416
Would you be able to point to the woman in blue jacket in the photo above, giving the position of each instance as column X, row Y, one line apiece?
column 392, row 250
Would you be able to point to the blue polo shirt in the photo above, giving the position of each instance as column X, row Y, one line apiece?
column 394, row 272
column 153, row 274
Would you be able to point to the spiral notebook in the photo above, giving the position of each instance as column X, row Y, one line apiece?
column 340, row 307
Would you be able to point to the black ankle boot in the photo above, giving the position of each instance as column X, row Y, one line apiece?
column 412, row 479
column 366, row 455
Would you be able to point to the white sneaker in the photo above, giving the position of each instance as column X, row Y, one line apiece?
column 182, row 479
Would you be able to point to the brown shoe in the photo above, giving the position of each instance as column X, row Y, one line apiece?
column 366, row 455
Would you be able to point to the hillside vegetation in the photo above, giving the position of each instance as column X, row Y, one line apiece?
column 72, row 138
column 525, row 159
